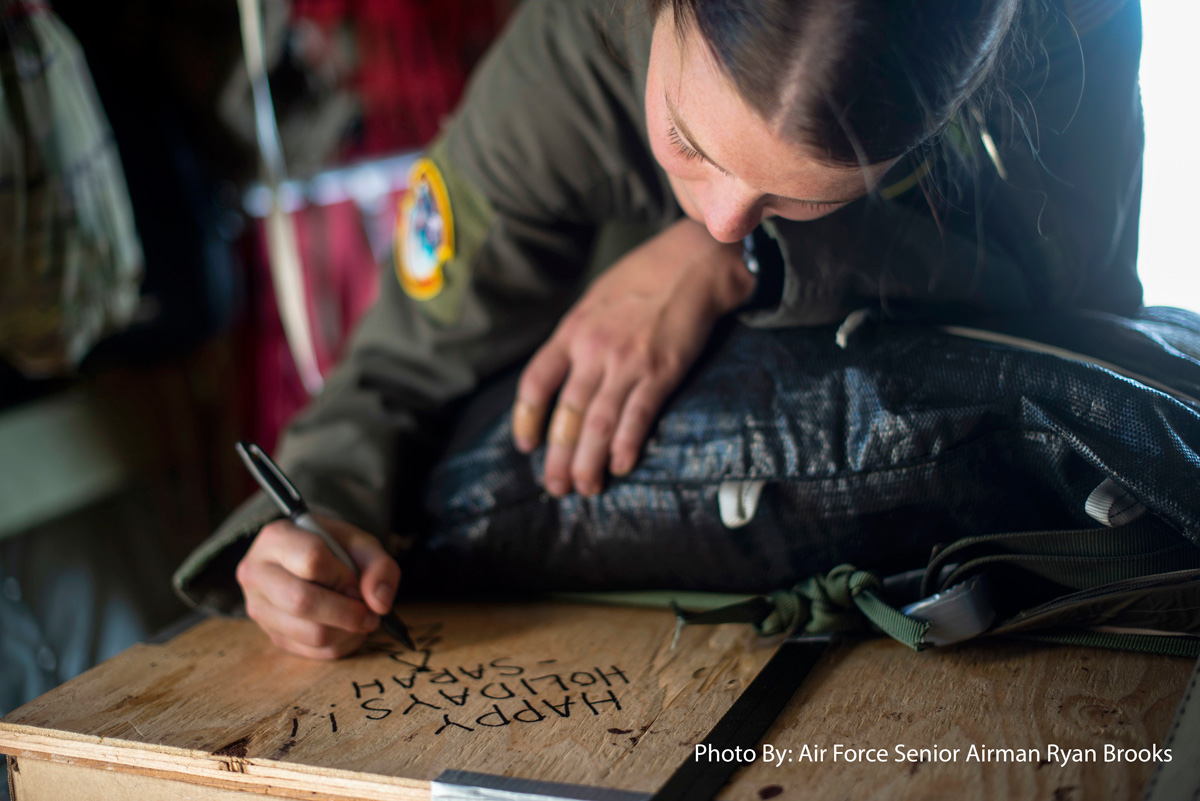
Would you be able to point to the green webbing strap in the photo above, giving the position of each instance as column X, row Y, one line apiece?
column 1099, row 541
column 827, row 604
column 1165, row 644
column 1081, row 573
column 1075, row 558
column 893, row 622
column 845, row 600
column 842, row 601
column 1180, row 778
column 656, row 599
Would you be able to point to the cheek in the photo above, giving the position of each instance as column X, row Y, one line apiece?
column 689, row 191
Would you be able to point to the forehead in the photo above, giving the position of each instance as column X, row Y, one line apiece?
column 735, row 136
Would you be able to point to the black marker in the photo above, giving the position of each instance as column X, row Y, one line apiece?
column 285, row 496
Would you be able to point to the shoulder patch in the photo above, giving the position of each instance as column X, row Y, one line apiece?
column 424, row 232
column 442, row 223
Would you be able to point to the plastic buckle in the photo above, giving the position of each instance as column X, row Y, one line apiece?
column 959, row 613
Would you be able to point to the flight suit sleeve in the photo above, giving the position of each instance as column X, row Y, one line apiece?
column 539, row 152
column 1049, row 223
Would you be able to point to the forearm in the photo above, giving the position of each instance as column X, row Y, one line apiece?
column 731, row 282
column 359, row 452
column 697, row 269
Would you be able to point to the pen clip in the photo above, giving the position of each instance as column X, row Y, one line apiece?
column 271, row 479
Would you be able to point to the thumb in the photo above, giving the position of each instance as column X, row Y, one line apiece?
column 380, row 573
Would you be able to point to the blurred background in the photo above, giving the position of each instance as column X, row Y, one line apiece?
column 116, row 451
column 139, row 336
column 1167, row 258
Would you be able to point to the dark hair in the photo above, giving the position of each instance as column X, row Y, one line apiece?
column 862, row 81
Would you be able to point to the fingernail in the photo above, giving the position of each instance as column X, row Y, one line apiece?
column 557, row 488
column 588, row 489
column 384, row 593
column 621, row 466
column 525, row 444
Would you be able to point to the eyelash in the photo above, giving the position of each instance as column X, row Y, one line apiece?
column 808, row 204
column 680, row 146
column 691, row 154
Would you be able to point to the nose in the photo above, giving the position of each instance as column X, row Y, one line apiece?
column 732, row 212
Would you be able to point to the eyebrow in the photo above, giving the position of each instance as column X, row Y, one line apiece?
column 677, row 121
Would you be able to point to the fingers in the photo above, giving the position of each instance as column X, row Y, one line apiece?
column 618, row 421
column 605, row 411
column 303, row 617
column 638, row 414
column 591, row 456
column 380, row 573
column 310, row 615
column 566, row 427
column 620, row 350
column 540, row 380
column 290, row 638
column 329, row 652
column 305, row 599
column 527, row 421
column 307, row 558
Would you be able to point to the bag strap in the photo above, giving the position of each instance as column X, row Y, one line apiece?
column 1180, row 778
column 844, row 600
column 955, row 607
column 1161, row 644
column 746, row 722
column 1078, row 559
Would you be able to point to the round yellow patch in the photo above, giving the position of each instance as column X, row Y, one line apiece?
column 424, row 232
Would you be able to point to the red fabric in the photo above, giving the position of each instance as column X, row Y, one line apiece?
column 342, row 278
column 22, row 8
column 407, row 60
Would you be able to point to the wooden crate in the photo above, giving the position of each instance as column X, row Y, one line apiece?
column 585, row 695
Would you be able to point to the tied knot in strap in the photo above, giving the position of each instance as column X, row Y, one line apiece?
column 821, row 604
column 847, row 599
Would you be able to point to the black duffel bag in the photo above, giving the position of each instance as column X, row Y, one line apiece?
column 788, row 452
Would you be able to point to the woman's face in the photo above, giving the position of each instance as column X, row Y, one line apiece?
column 727, row 166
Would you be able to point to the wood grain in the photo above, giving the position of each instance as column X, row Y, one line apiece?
column 220, row 708
column 579, row 694
column 79, row 783
column 998, row 695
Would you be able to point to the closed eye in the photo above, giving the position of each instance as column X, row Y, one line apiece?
column 687, row 151
column 681, row 147
column 811, row 204
column 692, row 153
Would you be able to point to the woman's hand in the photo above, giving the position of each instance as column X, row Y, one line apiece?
column 621, row 350
column 305, row 599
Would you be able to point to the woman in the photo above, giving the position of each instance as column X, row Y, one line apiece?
column 861, row 147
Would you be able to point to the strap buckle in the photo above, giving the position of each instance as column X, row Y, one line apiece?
column 956, row 614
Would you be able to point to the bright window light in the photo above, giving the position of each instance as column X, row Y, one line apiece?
column 1168, row 250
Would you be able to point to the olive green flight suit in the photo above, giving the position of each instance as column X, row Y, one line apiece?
column 550, row 144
